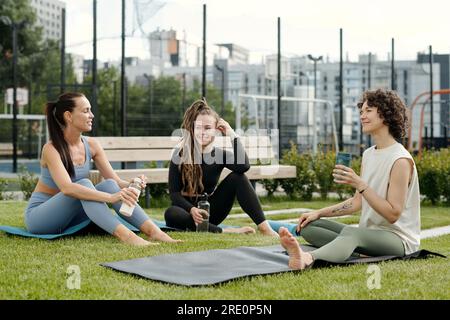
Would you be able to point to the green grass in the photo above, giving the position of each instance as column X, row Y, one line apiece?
column 36, row 269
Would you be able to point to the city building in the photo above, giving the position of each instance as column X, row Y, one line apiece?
column 49, row 17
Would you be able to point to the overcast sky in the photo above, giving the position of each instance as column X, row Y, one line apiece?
column 306, row 26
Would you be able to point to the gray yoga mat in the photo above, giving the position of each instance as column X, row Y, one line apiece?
column 220, row 265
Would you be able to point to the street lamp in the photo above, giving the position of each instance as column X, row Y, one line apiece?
column 315, row 60
column 222, row 71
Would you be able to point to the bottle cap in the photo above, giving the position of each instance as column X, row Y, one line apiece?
column 137, row 180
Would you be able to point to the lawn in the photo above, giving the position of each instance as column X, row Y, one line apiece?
column 37, row 269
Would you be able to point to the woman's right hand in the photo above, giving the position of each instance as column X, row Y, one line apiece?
column 306, row 218
column 196, row 214
column 129, row 196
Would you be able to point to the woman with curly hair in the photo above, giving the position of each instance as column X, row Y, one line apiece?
column 195, row 170
column 387, row 193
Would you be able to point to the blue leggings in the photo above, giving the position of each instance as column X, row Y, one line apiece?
column 48, row 214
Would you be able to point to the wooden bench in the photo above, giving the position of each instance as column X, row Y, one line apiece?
column 6, row 149
column 135, row 149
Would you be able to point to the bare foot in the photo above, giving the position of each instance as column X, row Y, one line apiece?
column 244, row 230
column 128, row 237
column 155, row 233
column 298, row 259
column 138, row 241
column 163, row 237
column 135, row 240
column 266, row 229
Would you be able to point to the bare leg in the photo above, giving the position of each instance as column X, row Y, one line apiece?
column 298, row 259
column 244, row 230
column 265, row 228
column 127, row 236
column 155, row 233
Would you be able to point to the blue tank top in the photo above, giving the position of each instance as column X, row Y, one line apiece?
column 81, row 172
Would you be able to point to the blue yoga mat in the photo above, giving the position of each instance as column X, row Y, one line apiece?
column 72, row 230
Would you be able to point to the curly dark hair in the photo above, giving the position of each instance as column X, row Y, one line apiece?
column 391, row 109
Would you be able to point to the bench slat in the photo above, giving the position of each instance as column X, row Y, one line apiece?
column 171, row 142
column 160, row 175
column 166, row 154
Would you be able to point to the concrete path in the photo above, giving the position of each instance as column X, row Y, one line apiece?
column 424, row 234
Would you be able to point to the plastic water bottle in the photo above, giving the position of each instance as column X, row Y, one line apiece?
column 203, row 204
column 125, row 209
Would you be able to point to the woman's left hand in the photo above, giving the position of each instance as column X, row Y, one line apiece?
column 224, row 127
column 346, row 175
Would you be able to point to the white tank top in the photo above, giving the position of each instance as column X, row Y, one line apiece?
column 376, row 170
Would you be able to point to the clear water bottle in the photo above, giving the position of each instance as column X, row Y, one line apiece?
column 125, row 209
column 203, row 204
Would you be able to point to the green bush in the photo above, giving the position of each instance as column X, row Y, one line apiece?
column 270, row 185
column 323, row 167
column 304, row 183
column 445, row 158
column 434, row 173
column 28, row 181
column 315, row 172
column 3, row 186
column 158, row 190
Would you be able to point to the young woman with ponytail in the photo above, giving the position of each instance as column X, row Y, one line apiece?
column 64, row 196
column 195, row 169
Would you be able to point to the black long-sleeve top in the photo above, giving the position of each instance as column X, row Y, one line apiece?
column 236, row 161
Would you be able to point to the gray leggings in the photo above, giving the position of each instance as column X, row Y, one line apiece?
column 48, row 214
column 337, row 241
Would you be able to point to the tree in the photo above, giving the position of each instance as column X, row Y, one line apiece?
column 28, row 37
column 107, row 116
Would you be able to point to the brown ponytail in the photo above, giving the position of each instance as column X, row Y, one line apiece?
column 54, row 111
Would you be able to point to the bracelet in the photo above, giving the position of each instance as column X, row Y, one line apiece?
column 363, row 190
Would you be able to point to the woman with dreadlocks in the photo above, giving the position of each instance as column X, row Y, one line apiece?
column 195, row 170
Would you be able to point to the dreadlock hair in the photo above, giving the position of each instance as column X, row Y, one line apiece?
column 190, row 150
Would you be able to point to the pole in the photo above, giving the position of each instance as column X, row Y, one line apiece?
column 315, row 60
column 63, row 51
column 29, row 122
column 123, row 100
column 431, row 97
column 223, row 94
column 341, row 93
column 279, row 87
column 14, row 124
column 204, row 53
column 94, row 71
column 393, row 86
column 222, row 74
column 183, row 100
column 114, row 107
column 122, row 77
column 369, row 86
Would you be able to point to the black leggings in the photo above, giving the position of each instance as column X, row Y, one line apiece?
column 221, row 202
